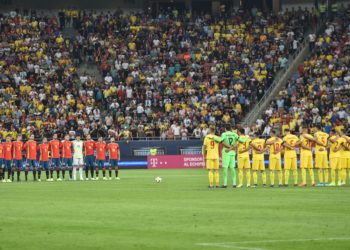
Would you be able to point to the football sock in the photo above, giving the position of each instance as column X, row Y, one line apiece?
column 211, row 178
column 74, row 173
column 295, row 176
column 110, row 173
column 303, row 175
column 92, row 172
column 272, row 177
column 234, row 176
column 9, row 171
column 63, row 173
column 58, row 173
column 312, row 176
column 286, row 177
column 26, row 174
column 1, row 175
column 104, row 172
column 34, row 174
column 333, row 175
column 39, row 173
column 326, row 175
column 225, row 170
column 280, row 177
column 255, row 177
column 263, row 176
column 81, row 173
column 13, row 174
column 248, row 177
column 51, row 173
column 70, row 173
column 240, row 176
column 47, row 174
column 116, row 173
column 87, row 172
column 320, row 176
column 217, row 178
column 97, row 173
column 18, row 174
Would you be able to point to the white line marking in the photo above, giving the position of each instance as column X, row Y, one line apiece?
column 235, row 245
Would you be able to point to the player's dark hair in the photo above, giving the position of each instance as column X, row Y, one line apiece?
column 287, row 130
column 228, row 127
column 319, row 127
column 241, row 130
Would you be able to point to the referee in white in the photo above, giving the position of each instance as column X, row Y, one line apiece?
column 78, row 160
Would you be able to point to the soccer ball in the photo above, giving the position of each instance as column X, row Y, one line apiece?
column 158, row 179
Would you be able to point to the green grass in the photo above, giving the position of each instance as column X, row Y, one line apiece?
column 179, row 213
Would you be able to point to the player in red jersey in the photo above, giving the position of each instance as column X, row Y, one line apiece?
column 101, row 148
column 55, row 146
column 31, row 148
column 2, row 170
column 114, row 157
column 43, row 149
column 89, row 147
column 18, row 155
column 67, row 154
column 8, row 158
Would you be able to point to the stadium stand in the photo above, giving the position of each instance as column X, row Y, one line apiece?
column 318, row 93
column 175, row 71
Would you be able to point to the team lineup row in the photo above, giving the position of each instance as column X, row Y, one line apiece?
column 59, row 156
column 338, row 160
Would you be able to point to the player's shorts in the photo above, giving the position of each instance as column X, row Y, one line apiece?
column 258, row 164
column 8, row 164
column 228, row 161
column 18, row 164
column 306, row 161
column 68, row 162
column 321, row 161
column 113, row 163
column 44, row 165
column 212, row 163
column 56, row 162
column 275, row 164
column 78, row 161
column 243, row 163
column 31, row 163
column 2, row 165
column 346, row 163
column 89, row 161
column 290, row 163
column 335, row 163
column 100, row 163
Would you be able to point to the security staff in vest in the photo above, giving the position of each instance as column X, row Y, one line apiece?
column 153, row 151
column 334, row 9
column 322, row 8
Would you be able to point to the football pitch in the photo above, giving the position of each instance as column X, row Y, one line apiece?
column 179, row 213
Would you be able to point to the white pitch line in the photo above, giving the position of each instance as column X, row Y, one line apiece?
column 235, row 245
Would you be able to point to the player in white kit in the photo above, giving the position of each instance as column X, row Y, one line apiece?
column 78, row 158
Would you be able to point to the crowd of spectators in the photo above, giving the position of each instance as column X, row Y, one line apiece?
column 168, row 76
column 319, row 92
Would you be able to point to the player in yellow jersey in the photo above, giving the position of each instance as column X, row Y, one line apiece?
column 258, row 148
column 345, row 159
column 243, row 161
column 290, row 141
column 334, row 156
column 305, row 144
column 275, row 146
column 210, row 153
column 321, row 155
